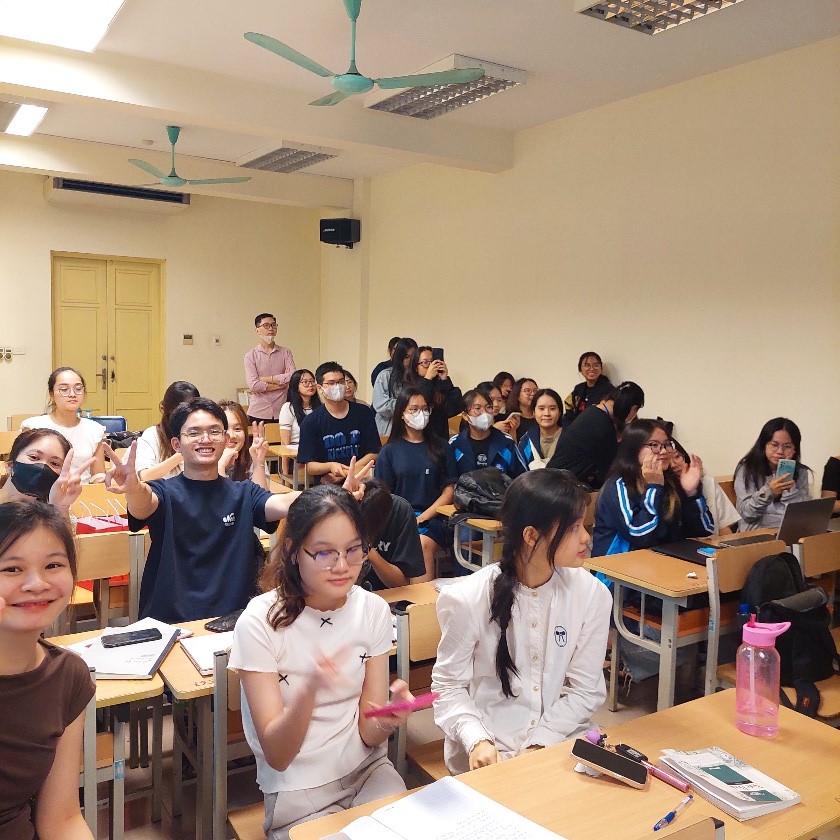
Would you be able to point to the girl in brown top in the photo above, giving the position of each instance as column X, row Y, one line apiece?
column 43, row 689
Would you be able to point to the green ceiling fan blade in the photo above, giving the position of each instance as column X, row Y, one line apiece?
column 240, row 180
column 285, row 51
column 331, row 98
column 147, row 167
column 445, row 77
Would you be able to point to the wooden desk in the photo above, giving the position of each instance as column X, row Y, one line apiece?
column 490, row 529
column 278, row 450
column 118, row 693
column 542, row 785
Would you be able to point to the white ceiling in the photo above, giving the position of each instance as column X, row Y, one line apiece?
column 187, row 63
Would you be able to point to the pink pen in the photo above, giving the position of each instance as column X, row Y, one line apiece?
column 668, row 778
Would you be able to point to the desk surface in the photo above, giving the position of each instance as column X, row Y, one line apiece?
column 542, row 785
column 115, row 692
column 477, row 522
column 655, row 572
column 180, row 674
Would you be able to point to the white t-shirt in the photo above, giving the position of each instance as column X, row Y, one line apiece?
column 149, row 454
column 724, row 513
column 288, row 421
column 85, row 437
column 333, row 746
column 557, row 637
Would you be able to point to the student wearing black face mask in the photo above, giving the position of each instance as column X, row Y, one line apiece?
column 39, row 467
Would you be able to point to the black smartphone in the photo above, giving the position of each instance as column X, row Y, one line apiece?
column 437, row 354
column 132, row 637
column 400, row 606
column 605, row 761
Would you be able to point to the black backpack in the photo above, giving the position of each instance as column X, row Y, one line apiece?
column 776, row 591
column 481, row 491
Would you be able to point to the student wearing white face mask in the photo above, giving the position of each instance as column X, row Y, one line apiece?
column 419, row 466
column 479, row 444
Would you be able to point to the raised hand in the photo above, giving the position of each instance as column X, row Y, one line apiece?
column 259, row 445
column 353, row 481
column 692, row 476
column 122, row 477
column 325, row 673
column 652, row 469
column 68, row 486
column 228, row 456
column 399, row 691
column 778, row 484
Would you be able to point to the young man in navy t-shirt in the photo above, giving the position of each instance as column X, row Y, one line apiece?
column 202, row 562
column 336, row 431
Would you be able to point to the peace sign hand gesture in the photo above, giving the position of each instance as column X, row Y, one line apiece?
column 68, row 486
column 122, row 477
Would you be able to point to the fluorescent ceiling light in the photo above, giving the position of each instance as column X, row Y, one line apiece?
column 651, row 16
column 289, row 157
column 26, row 120
column 74, row 24
column 426, row 103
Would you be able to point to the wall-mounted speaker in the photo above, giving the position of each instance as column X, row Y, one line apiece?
column 341, row 231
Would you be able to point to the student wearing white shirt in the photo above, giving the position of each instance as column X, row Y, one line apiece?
column 312, row 655
column 155, row 456
column 520, row 660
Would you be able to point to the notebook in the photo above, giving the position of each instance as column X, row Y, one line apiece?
column 202, row 650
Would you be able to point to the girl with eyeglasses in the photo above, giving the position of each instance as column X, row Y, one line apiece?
column 519, row 664
column 303, row 400
column 761, row 495
column 312, row 656
column 520, row 403
column 643, row 503
column 44, row 689
column 66, row 388
column 591, row 391
column 155, row 456
column 419, row 466
column 431, row 376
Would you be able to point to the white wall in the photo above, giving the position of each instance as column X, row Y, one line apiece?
column 690, row 235
column 226, row 261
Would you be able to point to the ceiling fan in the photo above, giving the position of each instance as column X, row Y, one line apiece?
column 352, row 82
column 173, row 179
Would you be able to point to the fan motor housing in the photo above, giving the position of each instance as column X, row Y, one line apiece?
column 341, row 231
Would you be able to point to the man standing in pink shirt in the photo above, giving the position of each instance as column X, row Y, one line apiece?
column 268, row 369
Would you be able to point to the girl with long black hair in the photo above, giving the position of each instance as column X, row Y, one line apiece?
column 419, row 466
column 431, row 376
column 521, row 654
column 390, row 382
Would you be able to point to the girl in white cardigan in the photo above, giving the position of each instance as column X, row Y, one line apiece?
column 520, row 660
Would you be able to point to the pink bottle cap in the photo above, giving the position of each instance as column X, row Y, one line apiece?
column 762, row 634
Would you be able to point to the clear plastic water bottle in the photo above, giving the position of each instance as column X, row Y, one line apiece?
column 88, row 413
column 757, row 679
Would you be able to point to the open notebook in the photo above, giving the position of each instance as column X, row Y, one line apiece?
column 202, row 649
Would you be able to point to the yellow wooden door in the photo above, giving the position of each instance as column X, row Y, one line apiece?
column 107, row 323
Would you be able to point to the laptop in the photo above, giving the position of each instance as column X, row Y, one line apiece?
column 694, row 551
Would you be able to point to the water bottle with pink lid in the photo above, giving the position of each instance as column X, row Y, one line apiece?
column 757, row 679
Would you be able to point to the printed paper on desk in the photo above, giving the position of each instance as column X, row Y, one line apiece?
column 446, row 810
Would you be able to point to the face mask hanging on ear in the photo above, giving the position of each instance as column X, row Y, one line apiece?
column 33, row 479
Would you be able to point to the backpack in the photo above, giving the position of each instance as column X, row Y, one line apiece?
column 481, row 491
column 776, row 591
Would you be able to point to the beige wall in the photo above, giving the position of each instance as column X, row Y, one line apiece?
column 690, row 235
column 225, row 262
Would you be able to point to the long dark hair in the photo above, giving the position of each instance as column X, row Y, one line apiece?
column 624, row 397
column 175, row 394
column 22, row 517
column 296, row 400
column 282, row 572
column 626, row 465
column 433, row 443
column 30, row 436
column 503, row 376
column 412, row 377
column 754, row 463
column 242, row 464
column 513, row 398
column 403, row 350
column 547, row 500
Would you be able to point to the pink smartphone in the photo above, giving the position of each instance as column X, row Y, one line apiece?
column 423, row 701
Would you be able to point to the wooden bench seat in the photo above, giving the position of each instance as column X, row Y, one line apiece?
column 247, row 823
column 692, row 621
column 429, row 759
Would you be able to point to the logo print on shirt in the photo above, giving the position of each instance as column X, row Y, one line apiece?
column 229, row 520
column 560, row 636
column 327, row 621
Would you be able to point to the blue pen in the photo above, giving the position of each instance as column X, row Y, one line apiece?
column 672, row 815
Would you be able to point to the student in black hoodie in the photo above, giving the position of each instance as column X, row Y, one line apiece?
column 593, row 389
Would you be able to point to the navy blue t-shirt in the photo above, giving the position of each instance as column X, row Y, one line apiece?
column 202, row 561
column 408, row 469
column 399, row 544
column 326, row 438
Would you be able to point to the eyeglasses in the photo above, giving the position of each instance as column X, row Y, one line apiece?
column 480, row 409
column 66, row 390
column 307, row 381
column 326, row 559
column 591, row 366
column 528, row 393
column 656, row 447
column 417, row 410
column 269, row 325
column 333, row 382
column 425, row 363
column 213, row 435
column 781, row 447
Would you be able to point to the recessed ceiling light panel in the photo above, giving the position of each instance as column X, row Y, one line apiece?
column 26, row 120
column 651, row 16
column 74, row 24
column 289, row 157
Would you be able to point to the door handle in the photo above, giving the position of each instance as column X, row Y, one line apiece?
column 113, row 375
column 104, row 376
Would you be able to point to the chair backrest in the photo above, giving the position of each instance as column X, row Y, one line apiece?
column 727, row 484
column 589, row 516
column 15, row 420
column 6, row 441
column 820, row 554
column 734, row 564
column 112, row 423
column 455, row 424
column 102, row 555
column 138, row 551
column 272, row 432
